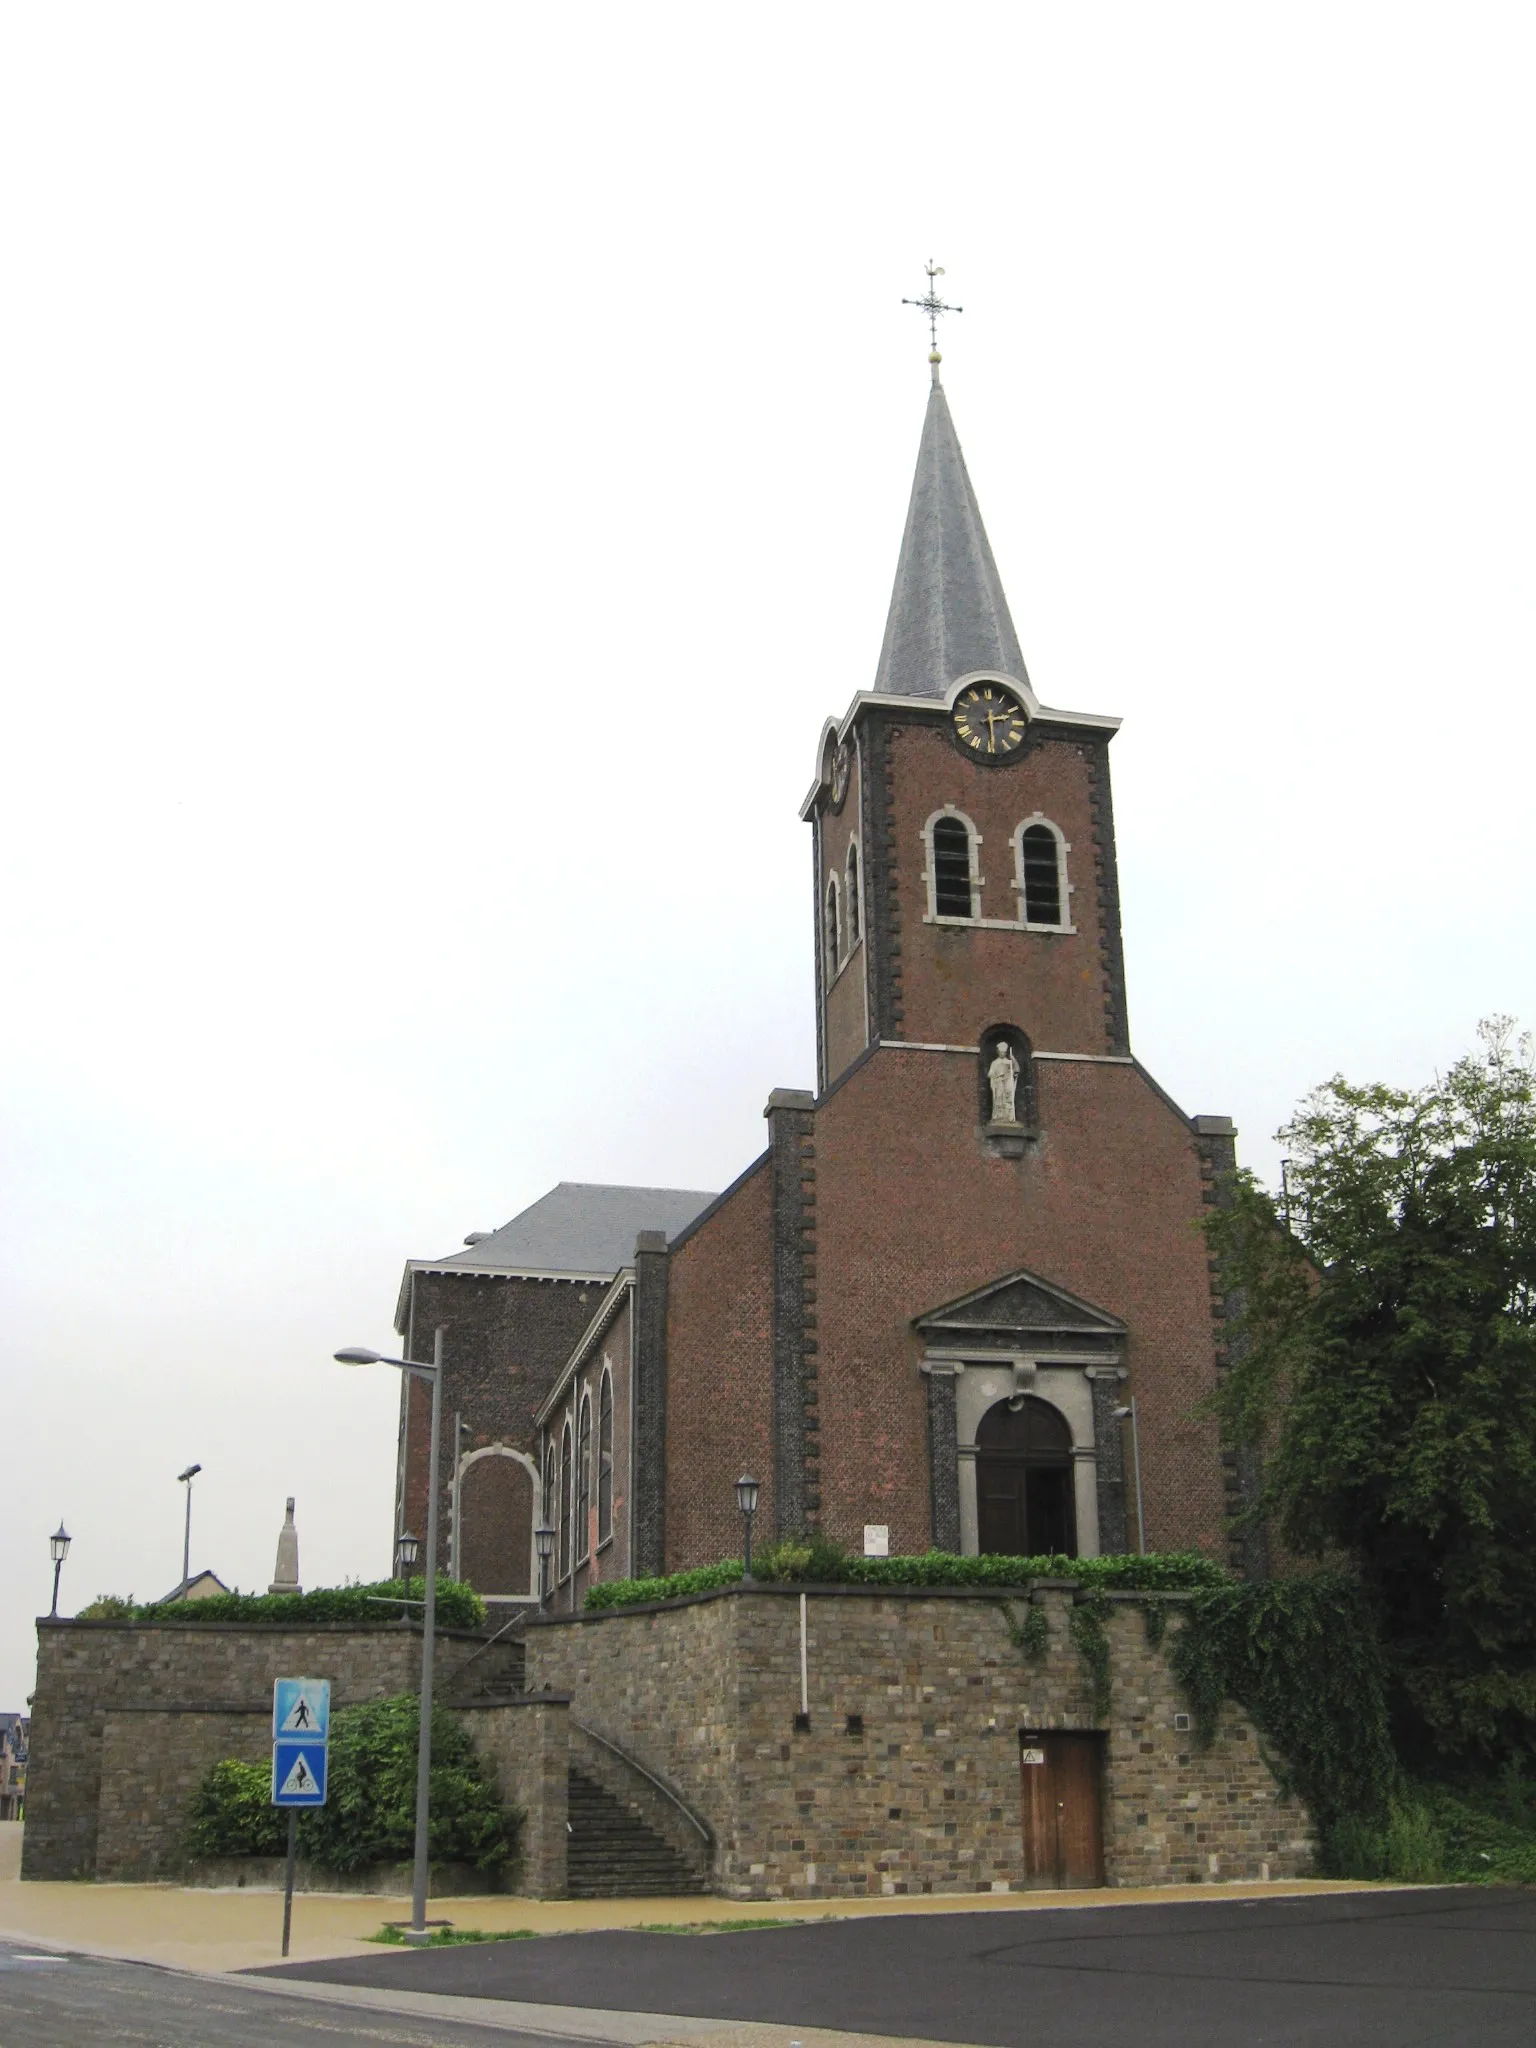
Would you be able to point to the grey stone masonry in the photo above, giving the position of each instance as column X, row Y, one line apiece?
column 527, row 1740
column 907, row 1778
column 127, row 1720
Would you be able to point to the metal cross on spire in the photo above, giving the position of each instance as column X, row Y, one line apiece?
column 933, row 306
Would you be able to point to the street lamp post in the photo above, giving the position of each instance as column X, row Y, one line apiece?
column 1141, row 1516
column 433, row 1375
column 544, row 1544
column 746, row 1500
column 58, row 1550
column 185, row 1479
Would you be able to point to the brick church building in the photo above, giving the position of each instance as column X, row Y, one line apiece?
column 918, row 1316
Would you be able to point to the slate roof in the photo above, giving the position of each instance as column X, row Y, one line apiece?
column 578, row 1227
column 948, row 614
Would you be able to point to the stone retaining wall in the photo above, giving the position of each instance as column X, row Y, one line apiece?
column 907, row 1778
column 127, row 1719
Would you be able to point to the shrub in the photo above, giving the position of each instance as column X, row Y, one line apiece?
column 370, row 1811
column 819, row 1561
column 458, row 1606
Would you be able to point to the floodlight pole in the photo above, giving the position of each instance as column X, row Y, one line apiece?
column 428, row 1646
column 186, row 1479
column 359, row 1355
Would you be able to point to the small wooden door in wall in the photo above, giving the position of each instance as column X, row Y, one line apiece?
column 1063, row 1810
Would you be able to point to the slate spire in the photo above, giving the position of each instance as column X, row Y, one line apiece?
column 948, row 613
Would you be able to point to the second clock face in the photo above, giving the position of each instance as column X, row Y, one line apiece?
column 989, row 720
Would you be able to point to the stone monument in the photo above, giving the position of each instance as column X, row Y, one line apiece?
column 285, row 1578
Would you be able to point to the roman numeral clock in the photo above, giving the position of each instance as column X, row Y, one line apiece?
column 989, row 720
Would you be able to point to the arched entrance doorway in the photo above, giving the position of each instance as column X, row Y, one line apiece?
column 1024, row 1481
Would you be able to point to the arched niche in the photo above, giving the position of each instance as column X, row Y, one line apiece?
column 1026, row 1107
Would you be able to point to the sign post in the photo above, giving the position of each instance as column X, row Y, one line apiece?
column 301, row 1734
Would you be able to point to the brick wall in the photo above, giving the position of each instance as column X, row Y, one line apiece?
column 719, row 1374
column 926, row 1797
column 127, row 1720
column 505, row 1343
column 910, row 1212
column 955, row 979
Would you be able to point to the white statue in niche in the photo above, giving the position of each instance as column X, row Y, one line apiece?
column 1003, row 1074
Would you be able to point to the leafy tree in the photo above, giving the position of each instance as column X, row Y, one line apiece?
column 1384, row 1359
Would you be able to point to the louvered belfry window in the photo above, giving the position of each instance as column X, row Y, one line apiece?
column 951, row 869
column 1042, row 876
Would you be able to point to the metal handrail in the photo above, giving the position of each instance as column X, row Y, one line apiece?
column 490, row 1642
column 703, row 1827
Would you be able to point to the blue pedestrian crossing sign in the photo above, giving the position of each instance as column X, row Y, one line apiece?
column 301, row 1709
column 301, row 1726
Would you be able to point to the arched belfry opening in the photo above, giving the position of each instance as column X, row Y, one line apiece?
column 1024, row 1483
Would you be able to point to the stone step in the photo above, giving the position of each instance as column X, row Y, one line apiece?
column 612, row 1853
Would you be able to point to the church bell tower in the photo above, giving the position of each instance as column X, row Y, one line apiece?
column 963, row 831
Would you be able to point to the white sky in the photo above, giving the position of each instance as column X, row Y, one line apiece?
column 453, row 460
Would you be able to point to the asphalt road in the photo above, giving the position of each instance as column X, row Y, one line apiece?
column 78, row 2001
column 1350, row 1970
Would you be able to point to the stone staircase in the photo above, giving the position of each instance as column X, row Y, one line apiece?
column 612, row 1854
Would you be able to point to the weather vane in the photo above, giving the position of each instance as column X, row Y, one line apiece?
column 933, row 306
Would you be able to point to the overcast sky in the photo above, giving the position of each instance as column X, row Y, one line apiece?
column 454, row 459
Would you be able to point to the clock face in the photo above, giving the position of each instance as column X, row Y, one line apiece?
column 989, row 720
column 839, row 778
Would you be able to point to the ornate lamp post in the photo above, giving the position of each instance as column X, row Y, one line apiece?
column 58, row 1550
column 746, row 1500
column 433, row 1374
column 544, row 1544
column 407, row 1553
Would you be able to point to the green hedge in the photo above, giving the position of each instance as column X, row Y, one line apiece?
column 370, row 1810
column 823, row 1563
column 458, row 1606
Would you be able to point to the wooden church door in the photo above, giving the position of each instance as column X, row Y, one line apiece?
column 1063, row 1797
column 1024, row 1505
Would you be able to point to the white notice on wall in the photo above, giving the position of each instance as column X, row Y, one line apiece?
column 1032, row 1756
column 877, row 1539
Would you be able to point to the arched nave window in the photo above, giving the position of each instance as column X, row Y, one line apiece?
column 605, row 1457
column 566, row 1502
column 584, row 1481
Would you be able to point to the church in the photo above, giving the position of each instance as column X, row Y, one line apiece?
column 961, row 1299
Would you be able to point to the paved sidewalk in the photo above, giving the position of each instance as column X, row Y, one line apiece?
column 192, row 1929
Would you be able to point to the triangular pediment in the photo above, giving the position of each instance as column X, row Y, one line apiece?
column 1022, row 1306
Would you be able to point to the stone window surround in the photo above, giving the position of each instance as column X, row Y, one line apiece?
column 521, row 1458
column 1065, row 889
column 853, row 915
column 979, row 880
column 832, row 929
column 581, row 1548
column 931, row 873
column 1061, row 1377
